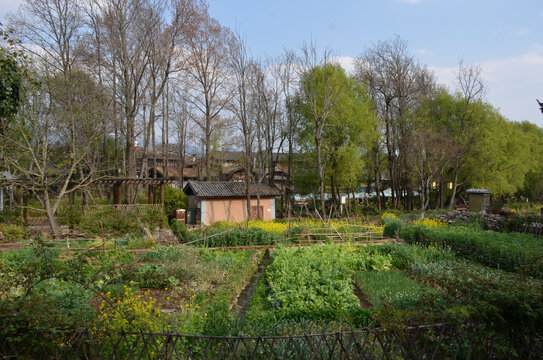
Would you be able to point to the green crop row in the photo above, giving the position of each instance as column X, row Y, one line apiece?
column 222, row 238
column 319, row 277
column 514, row 252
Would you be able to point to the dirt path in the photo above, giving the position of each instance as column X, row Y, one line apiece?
column 242, row 301
column 363, row 300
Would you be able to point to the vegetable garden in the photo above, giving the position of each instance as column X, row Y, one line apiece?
column 482, row 289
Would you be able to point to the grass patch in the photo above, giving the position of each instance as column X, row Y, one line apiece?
column 392, row 287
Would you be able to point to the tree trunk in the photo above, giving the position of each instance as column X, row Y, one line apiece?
column 455, row 184
column 50, row 215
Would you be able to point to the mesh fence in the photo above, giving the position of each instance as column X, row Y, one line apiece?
column 422, row 342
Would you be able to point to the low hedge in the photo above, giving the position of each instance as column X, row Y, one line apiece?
column 514, row 252
column 252, row 236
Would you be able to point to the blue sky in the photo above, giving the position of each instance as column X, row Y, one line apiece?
column 504, row 37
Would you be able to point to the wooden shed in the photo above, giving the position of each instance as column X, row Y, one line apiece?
column 211, row 201
column 479, row 199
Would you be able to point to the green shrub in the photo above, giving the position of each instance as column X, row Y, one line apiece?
column 121, row 224
column 252, row 236
column 508, row 302
column 141, row 243
column 13, row 233
column 179, row 230
column 521, row 223
column 402, row 255
column 174, row 199
column 11, row 217
column 513, row 252
column 393, row 227
column 387, row 216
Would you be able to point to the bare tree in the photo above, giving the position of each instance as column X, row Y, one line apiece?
column 51, row 138
column 287, row 75
column 207, row 56
column 60, row 124
column 472, row 89
column 397, row 84
column 431, row 154
column 243, row 70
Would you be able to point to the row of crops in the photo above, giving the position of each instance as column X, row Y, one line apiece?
column 46, row 296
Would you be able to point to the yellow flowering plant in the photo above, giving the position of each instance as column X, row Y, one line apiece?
column 431, row 222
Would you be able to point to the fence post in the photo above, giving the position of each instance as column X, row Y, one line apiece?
column 103, row 240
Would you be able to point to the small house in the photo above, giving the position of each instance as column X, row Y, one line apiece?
column 479, row 199
column 211, row 201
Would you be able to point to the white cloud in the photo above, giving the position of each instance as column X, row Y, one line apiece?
column 410, row 1
column 347, row 63
column 513, row 84
column 425, row 52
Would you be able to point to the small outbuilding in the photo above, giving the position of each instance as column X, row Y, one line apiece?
column 479, row 199
column 211, row 201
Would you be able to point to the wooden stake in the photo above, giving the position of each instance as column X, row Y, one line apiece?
column 103, row 240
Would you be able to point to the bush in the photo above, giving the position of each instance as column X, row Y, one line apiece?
column 393, row 227
column 522, row 223
column 13, row 233
column 121, row 224
column 513, row 252
column 179, row 230
column 141, row 243
column 174, row 199
column 253, row 236
column 387, row 216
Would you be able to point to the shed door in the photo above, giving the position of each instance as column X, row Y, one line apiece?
column 254, row 212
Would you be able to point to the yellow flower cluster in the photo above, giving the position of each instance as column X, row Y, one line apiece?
column 268, row 226
column 281, row 227
column 386, row 216
column 430, row 222
column 132, row 312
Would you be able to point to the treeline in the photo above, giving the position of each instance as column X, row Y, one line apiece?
column 96, row 88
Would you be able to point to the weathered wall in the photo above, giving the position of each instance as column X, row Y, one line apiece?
column 234, row 210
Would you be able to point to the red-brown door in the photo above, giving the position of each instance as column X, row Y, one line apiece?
column 254, row 212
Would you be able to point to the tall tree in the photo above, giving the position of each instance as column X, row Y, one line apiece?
column 243, row 72
column 319, row 93
column 207, row 57
column 397, row 84
column 347, row 133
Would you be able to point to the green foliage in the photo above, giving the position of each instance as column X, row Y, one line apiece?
column 318, row 278
column 389, row 215
column 174, row 199
column 13, row 233
column 121, row 224
column 402, row 255
column 141, row 243
column 393, row 227
column 513, row 252
column 13, row 72
column 252, row 236
column 522, row 223
column 504, row 300
column 179, row 230
column 337, row 107
column 391, row 287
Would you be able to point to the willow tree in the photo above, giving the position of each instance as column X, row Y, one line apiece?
column 337, row 127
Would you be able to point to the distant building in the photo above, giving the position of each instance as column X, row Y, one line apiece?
column 479, row 199
column 211, row 201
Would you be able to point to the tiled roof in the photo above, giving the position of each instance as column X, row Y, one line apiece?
column 217, row 189
column 479, row 191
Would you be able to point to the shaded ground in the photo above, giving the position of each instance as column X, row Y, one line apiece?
column 363, row 300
